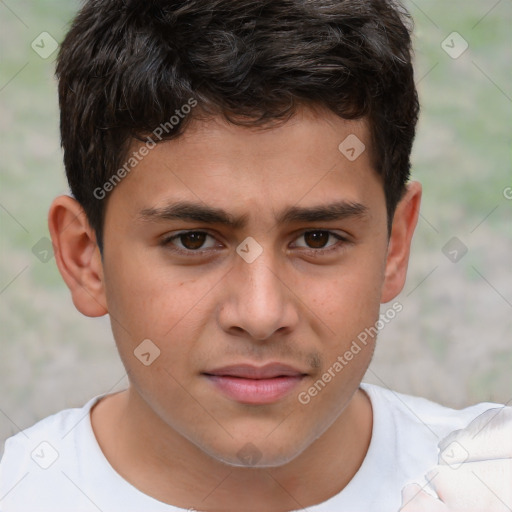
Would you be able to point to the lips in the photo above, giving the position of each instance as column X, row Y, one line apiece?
column 247, row 371
column 249, row 384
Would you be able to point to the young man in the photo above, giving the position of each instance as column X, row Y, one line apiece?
column 241, row 209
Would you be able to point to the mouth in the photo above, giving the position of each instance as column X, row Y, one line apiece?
column 249, row 384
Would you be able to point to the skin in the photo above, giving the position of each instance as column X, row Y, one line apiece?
column 176, row 437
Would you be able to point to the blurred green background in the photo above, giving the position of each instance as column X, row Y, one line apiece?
column 452, row 341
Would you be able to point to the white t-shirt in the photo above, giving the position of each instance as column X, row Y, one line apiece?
column 57, row 465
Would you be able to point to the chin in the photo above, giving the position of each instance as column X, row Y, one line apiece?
column 257, row 454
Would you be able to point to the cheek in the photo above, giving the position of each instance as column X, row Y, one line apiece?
column 151, row 298
column 349, row 307
column 148, row 304
column 351, row 298
column 162, row 304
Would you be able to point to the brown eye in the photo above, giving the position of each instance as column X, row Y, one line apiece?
column 320, row 242
column 193, row 240
column 316, row 239
column 191, row 243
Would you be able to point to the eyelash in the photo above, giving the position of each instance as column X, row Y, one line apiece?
column 167, row 242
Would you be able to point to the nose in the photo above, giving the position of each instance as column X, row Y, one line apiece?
column 258, row 302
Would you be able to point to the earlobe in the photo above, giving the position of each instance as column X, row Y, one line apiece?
column 77, row 255
column 404, row 223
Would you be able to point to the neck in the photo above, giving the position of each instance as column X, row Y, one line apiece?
column 161, row 463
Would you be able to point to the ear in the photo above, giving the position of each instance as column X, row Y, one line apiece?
column 77, row 255
column 404, row 223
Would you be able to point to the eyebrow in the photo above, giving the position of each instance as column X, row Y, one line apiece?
column 196, row 212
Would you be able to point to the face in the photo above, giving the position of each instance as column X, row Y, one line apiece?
column 251, row 259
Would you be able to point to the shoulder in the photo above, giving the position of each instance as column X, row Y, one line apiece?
column 412, row 411
column 57, row 426
column 408, row 430
column 29, row 455
column 406, row 434
column 57, row 465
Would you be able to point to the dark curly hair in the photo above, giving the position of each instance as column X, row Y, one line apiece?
column 127, row 66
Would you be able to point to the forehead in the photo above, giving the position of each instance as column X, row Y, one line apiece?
column 314, row 133
column 224, row 165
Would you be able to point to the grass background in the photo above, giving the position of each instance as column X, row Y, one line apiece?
column 452, row 341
